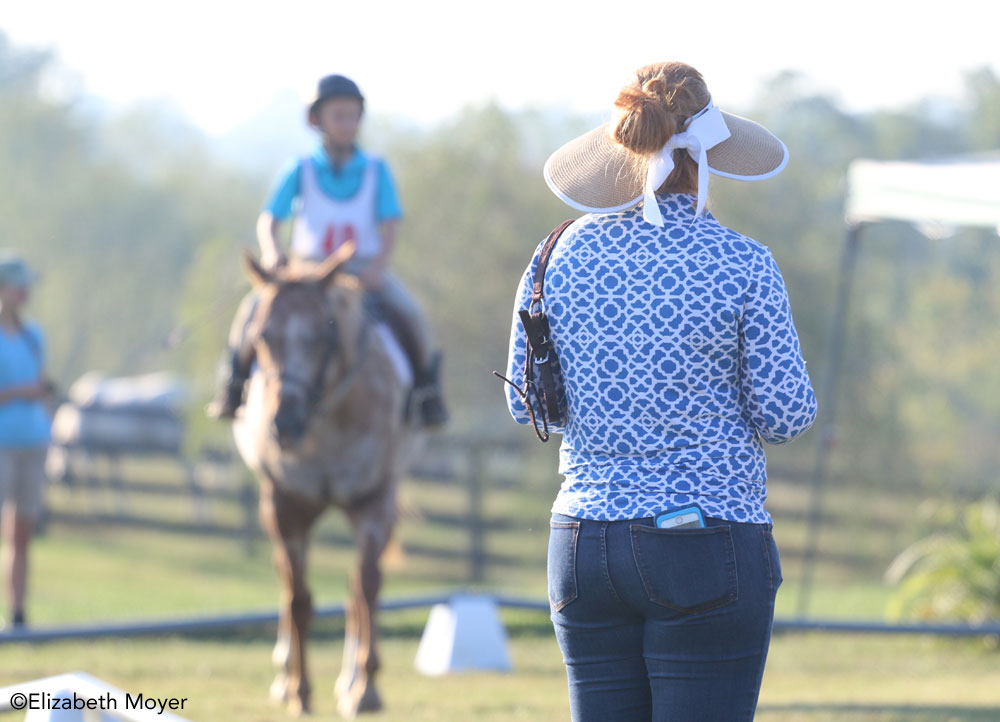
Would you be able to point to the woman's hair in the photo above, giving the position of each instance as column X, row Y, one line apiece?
column 655, row 106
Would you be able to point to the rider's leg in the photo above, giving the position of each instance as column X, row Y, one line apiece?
column 237, row 364
column 410, row 326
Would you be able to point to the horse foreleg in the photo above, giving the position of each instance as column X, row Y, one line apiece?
column 356, row 691
column 346, row 677
column 287, row 524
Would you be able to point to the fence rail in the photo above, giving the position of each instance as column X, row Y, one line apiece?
column 219, row 623
column 105, row 497
column 471, row 511
column 462, row 464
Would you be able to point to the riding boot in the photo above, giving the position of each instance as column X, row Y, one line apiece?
column 230, row 394
column 428, row 397
column 425, row 406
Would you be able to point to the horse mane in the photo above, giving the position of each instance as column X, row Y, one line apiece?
column 300, row 271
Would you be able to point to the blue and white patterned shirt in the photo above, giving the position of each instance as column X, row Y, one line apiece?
column 679, row 356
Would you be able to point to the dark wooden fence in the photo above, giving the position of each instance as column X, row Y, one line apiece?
column 100, row 490
column 480, row 526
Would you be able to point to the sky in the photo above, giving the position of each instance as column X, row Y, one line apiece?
column 220, row 62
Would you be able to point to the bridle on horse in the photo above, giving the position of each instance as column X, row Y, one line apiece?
column 314, row 387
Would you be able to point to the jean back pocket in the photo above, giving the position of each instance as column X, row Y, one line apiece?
column 773, row 560
column 690, row 570
column 563, row 536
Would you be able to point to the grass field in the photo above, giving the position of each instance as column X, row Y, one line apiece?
column 96, row 574
column 86, row 572
column 810, row 677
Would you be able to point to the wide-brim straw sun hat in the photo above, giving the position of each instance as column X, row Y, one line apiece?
column 594, row 173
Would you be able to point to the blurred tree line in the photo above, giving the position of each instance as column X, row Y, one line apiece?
column 138, row 227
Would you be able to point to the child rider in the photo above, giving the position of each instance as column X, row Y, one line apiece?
column 340, row 194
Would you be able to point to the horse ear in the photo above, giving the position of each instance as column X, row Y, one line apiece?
column 329, row 268
column 258, row 276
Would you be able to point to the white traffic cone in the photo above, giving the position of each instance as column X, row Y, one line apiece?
column 465, row 634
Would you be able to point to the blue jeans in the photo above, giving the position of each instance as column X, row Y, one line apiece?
column 663, row 625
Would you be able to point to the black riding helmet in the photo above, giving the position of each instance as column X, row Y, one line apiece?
column 336, row 86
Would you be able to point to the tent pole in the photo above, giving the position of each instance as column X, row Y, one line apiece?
column 827, row 407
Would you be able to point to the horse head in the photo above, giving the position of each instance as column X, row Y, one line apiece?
column 300, row 334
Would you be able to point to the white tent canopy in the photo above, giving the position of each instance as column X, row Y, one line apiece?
column 937, row 196
column 961, row 191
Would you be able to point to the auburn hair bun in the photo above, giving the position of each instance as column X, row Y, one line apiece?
column 656, row 104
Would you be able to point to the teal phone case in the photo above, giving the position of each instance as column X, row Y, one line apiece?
column 697, row 520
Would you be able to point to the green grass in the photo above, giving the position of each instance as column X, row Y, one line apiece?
column 831, row 677
column 810, row 677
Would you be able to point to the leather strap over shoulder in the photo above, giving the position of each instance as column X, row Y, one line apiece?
column 539, row 355
column 538, row 290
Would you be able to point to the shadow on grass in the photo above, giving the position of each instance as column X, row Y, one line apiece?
column 889, row 712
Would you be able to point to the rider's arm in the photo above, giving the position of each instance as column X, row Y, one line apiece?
column 277, row 211
column 388, row 212
column 373, row 277
column 387, row 232
column 271, row 253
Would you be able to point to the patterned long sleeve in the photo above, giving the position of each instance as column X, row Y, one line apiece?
column 518, row 348
column 779, row 397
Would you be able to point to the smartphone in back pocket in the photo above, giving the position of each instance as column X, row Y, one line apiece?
column 688, row 517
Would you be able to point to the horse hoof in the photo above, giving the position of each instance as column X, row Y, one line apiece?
column 370, row 700
column 350, row 706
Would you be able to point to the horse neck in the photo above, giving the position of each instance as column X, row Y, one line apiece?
column 347, row 312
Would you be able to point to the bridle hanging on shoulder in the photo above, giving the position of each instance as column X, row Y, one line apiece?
column 542, row 375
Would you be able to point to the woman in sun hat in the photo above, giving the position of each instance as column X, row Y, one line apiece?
column 24, row 427
column 679, row 358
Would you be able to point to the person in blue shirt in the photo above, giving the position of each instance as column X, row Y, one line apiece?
column 340, row 194
column 680, row 359
column 24, row 427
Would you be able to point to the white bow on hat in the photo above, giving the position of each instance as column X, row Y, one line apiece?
column 705, row 129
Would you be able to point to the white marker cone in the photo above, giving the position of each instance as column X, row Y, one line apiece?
column 463, row 635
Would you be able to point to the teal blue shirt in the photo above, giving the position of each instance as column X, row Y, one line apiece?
column 338, row 183
column 23, row 423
